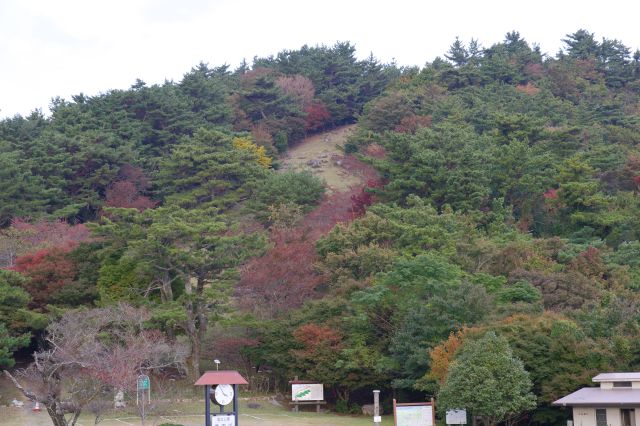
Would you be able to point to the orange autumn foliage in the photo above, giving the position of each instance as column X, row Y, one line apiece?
column 528, row 89
column 442, row 355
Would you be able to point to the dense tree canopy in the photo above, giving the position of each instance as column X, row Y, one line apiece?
column 499, row 220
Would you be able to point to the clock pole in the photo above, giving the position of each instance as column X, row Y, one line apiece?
column 207, row 405
column 235, row 402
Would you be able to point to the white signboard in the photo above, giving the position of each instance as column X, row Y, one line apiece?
column 307, row 392
column 456, row 417
column 223, row 420
column 414, row 415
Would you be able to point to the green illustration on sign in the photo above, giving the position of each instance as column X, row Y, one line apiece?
column 303, row 393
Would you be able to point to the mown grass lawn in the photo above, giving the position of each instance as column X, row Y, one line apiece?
column 191, row 413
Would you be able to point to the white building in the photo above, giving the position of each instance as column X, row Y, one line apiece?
column 615, row 403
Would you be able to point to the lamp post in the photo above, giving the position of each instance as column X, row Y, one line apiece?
column 217, row 361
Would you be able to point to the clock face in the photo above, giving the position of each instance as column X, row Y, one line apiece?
column 223, row 394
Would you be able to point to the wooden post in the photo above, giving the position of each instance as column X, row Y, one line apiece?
column 376, row 407
column 433, row 411
column 395, row 422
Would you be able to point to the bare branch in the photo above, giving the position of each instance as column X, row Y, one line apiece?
column 24, row 391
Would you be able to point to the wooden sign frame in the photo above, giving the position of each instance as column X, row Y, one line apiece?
column 431, row 404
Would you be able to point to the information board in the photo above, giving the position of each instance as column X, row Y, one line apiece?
column 223, row 420
column 414, row 415
column 307, row 392
column 456, row 417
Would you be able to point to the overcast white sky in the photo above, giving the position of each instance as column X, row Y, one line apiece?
column 63, row 47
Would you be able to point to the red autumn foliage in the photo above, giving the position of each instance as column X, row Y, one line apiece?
column 364, row 199
column 283, row 278
column 24, row 237
column 550, row 194
column 127, row 191
column 412, row 123
column 313, row 336
column 49, row 271
column 317, row 115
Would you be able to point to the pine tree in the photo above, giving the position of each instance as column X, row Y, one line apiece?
column 458, row 54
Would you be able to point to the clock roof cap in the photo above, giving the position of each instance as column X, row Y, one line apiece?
column 222, row 377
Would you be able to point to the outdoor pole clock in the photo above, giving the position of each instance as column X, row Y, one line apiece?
column 221, row 389
column 223, row 394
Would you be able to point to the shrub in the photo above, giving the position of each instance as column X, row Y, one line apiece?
column 301, row 188
column 281, row 141
column 342, row 406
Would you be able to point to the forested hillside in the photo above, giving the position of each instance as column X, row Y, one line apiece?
column 501, row 202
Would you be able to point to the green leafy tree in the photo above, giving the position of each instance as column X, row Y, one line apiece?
column 488, row 381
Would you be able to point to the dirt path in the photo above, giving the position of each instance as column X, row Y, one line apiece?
column 321, row 155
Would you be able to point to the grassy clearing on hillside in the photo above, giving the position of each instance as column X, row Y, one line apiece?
column 323, row 148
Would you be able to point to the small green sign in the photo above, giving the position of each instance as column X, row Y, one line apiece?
column 143, row 382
